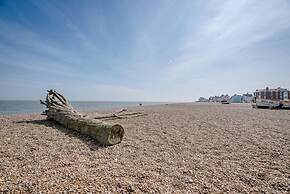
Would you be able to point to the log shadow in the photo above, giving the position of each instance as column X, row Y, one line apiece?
column 90, row 142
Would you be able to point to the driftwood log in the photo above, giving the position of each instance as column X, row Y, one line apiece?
column 60, row 110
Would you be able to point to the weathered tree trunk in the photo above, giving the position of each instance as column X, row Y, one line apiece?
column 60, row 110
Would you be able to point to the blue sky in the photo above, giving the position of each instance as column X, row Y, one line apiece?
column 142, row 50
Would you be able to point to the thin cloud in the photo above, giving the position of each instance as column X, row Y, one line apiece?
column 171, row 51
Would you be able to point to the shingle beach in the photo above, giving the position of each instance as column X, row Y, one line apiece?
column 175, row 148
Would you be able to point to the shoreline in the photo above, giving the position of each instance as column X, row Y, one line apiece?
column 118, row 107
column 102, row 107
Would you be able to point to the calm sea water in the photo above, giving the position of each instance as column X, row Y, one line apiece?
column 21, row 107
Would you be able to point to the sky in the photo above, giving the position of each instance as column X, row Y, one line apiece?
column 145, row 50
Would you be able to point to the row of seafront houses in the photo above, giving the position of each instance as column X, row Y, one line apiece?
column 245, row 98
column 267, row 98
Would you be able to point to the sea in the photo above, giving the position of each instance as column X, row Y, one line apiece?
column 8, row 107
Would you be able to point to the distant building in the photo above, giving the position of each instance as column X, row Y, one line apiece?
column 202, row 99
column 247, row 98
column 272, row 98
column 225, row 97
column 219, row 98
column 236, row 99
column 272, row 94
column 214, row 99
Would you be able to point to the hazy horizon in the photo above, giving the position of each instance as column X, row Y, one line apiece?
column 164, row 51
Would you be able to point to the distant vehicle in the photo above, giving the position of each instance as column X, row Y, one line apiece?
column 225, row 102
column 263, row 103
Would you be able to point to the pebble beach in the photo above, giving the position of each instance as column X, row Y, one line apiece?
column 175, row 148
